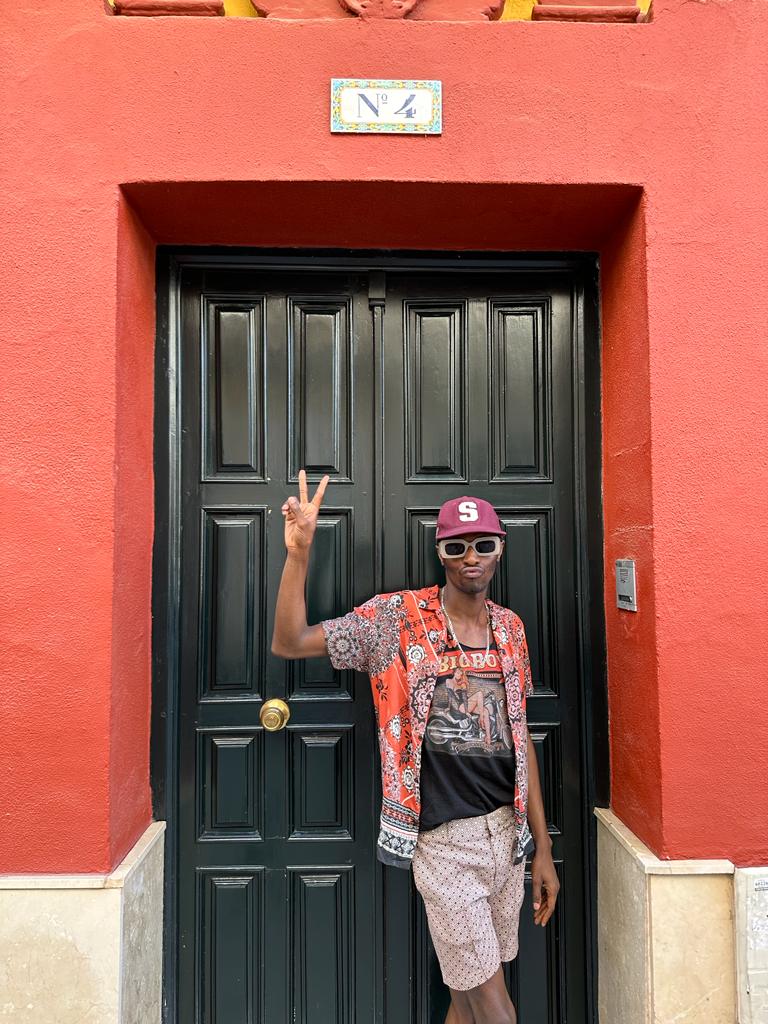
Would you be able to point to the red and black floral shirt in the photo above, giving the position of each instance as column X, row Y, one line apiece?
column 398, row 639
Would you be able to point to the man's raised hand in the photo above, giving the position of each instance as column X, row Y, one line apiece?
column 293, row 637
column 301, row 515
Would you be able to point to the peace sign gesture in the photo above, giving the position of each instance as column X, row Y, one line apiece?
column 301, row 516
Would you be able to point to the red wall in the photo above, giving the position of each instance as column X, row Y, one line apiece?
column 217, row 129
column 636, row 756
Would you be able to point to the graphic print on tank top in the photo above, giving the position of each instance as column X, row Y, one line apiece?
column 467, row 757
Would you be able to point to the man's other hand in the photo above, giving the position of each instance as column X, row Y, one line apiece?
column 545, row 886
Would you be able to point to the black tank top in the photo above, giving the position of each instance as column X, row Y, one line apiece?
column 468, row 754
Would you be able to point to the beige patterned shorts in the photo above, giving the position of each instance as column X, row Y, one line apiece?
column 472, row 894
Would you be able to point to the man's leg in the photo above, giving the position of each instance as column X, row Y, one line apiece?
column 459, row 1012
column 490, row 1002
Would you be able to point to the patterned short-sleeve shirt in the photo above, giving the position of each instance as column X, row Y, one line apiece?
column 398, row 639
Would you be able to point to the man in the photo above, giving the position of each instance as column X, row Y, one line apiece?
column 463, row 808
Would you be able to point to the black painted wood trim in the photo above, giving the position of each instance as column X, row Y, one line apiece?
column 166, row 591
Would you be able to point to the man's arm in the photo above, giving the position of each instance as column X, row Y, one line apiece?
column 545, row 883
column 292, row 636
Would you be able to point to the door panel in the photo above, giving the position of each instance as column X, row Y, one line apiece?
column 275, row 876
column 501, row 358
column 464, row 381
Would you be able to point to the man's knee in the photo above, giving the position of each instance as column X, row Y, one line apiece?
column 493, row 1015
column 490, row 1002
column 460, row 1012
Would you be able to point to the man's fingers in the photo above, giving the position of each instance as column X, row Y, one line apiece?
column 536, row 892
column 303, row 487
column 295, row 507
column 549, row 906
column 318, row 498
column 540, row 915
column 549, row 911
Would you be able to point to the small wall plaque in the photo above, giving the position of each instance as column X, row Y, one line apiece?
column 626, row 594
column 391, row 106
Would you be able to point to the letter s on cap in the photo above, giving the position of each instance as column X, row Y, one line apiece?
column 468, row 512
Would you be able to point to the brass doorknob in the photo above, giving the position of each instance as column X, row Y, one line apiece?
column 274, row 714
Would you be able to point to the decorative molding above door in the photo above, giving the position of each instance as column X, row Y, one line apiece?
column 371, row 10
column 374, row 10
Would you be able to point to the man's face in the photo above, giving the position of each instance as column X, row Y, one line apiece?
column 472, row 573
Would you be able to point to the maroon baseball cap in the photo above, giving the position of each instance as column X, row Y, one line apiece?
column 467, row 515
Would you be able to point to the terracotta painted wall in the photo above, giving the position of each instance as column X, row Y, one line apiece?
column 633, row 672
column 674, row 109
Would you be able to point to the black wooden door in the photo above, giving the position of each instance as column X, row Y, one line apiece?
column 407, row 388
column 478, row 371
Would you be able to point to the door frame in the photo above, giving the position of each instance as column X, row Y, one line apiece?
column 583, row 268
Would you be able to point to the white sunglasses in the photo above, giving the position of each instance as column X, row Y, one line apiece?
column 456, row 547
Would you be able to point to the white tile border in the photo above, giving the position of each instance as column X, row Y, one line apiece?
column 648, row 861
column 114, row 880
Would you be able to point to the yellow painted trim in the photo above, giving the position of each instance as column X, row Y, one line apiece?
column 517, row 10
column 239, row 9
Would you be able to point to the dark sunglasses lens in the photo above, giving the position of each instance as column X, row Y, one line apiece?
column 485, row 547
column 453, row 548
